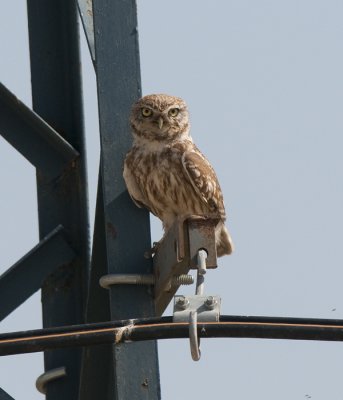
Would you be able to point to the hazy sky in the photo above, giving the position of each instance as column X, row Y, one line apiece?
column 263, row 80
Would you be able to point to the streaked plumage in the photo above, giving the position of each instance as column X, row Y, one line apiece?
column 165, row 172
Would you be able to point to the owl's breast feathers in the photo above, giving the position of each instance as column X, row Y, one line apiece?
column 173, row 180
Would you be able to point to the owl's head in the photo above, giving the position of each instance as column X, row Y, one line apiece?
column 160, row 117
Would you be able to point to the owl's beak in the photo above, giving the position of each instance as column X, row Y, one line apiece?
column 160, row 122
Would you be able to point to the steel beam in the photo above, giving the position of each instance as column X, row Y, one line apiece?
column 96, row 361
column 57, row 98
column 127, row 231
column 32, row 136
column 27, row 275
column 4, row 395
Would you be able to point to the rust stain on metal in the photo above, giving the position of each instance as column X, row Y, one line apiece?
column 90, row 8
column 111, row 230
column 61, row 280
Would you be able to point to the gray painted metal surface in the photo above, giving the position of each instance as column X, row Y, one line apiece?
column 32, row 136
column 57, row 98
column 27, row 275
column 127, row 232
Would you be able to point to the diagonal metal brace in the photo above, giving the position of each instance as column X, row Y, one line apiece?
column 4, row 395
column 177, row 253
column 28, row 133
column 26, row 276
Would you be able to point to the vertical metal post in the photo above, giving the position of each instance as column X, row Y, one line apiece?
column 127, row 232
column 97, row 366
column 56, row 94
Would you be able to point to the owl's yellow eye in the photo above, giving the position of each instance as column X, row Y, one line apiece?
column 173, row 112
column 146, row 112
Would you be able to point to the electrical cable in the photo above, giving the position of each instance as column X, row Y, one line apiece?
column 163, row 328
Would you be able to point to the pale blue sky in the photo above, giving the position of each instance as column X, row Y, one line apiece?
column 263, row 80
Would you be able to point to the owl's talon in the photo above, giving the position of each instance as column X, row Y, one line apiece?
column 154, row 248
column 150, row 253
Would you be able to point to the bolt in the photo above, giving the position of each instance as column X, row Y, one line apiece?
column 182, row 280
column 210, row 302
column 182, row 302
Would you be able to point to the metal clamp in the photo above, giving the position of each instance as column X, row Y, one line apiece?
column 196, row 308
column 49, row 376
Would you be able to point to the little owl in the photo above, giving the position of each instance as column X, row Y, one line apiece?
column 166, row 173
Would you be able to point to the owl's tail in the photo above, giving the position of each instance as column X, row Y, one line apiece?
column 224, row 242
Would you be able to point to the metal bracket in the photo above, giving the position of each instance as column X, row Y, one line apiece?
column 206, row 307
column 189, row 244
column 178, row 252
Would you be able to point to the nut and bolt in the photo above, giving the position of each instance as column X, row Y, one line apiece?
column 182, row 280
column 182, row 302
column 210, row 302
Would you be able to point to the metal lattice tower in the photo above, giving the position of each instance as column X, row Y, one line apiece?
column 86, row 358
column 51, row 137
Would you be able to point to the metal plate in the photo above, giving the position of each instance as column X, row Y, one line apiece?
column 198, row 304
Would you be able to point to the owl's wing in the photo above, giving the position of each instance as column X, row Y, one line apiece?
column 139, row 204
column 204, row 180
column 133, row 188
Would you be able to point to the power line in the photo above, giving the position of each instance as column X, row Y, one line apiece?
column 164, row 328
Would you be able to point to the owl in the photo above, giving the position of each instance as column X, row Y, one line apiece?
column 165, row 171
